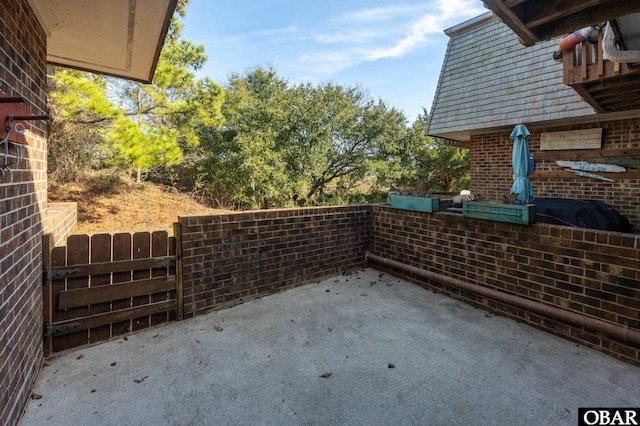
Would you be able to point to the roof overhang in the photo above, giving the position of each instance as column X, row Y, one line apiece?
column 463, row 136
column 122, row 38
column 538, row 20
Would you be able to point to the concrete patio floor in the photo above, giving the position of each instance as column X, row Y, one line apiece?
column 360, row 349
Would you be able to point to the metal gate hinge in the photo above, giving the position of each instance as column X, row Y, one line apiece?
column 50, row 330
column 59, row 273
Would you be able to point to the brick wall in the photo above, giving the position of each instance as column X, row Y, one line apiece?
column 60, row 221
column 231, row 258
column 590, row 272
column 22, row 206
column 491, row 171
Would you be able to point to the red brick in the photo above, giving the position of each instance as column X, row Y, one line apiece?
column 23, row 199
column 560, row 271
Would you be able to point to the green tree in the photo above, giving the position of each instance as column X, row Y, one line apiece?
column 144, row 125
column 161, row 118
column 283, row 144
column 80, row 115
column 255, row 116
column 332, row 135
column 422, row 164
column 238, row 164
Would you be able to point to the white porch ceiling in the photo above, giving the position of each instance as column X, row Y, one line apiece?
column 122, row 38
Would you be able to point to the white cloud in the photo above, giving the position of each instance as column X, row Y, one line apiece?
column 417, row 36
column 328, row 62
column 425, row 25
column 355, row 36
column 459, row 8
column 382, row 13
column 386, row 32
column 291, row 29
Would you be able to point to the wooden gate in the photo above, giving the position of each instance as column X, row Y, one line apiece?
column 103, row 286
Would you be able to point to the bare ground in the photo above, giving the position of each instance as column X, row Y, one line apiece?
column 114, row 204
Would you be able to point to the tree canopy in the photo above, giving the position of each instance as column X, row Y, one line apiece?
column 133, row 125
column 284, row 145
column 255, row 141
column 422, row 164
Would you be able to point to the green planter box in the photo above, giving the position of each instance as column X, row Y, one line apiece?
column 523, row 214
column 418, row 204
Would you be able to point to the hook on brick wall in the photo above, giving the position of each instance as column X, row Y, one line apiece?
column 4, row 167
column 12, row 110
column 21, row 150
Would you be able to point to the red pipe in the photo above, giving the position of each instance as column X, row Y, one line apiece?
column 576, row 37
column 615, row 330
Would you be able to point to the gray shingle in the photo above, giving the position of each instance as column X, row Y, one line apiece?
column 488, row 79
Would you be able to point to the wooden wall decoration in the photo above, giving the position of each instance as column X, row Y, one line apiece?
column 571, row 139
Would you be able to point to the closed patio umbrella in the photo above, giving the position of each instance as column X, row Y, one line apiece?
column 520, row 162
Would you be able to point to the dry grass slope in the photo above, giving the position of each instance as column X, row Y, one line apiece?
column 110, row 203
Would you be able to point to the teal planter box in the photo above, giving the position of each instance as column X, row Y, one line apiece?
column 523, row 214
column 418, row 204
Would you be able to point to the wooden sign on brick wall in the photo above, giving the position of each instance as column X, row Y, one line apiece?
column 571, row 139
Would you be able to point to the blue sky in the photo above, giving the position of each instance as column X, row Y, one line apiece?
column 393, row 50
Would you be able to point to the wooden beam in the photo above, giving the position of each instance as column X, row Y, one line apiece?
column 47, row 292
column 584, row 94
column 621, row 105
column 110, row 267
column 568, row 65
column 91, row 321
column 542, row 12
column 177, row 232
column 584, row 73
column 604, row 86
column 628, row 97
column 600, row 57
column 507, row 16
column 587, row 155
column 107, row 293
column 582, row 17
column 537, row 20
column 551, row 174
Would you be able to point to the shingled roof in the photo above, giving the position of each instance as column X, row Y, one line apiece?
column 489, row 80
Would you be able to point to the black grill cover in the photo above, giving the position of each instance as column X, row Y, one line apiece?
column 590, row 214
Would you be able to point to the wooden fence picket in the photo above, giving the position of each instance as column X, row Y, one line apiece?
column 103, row 286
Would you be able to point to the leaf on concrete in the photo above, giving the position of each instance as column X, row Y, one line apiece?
column 140, row 380
column 80, row 356
column 326, row 375
column 391, row 366
column 36, row 396
column 113, row 364
column 217, row 328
